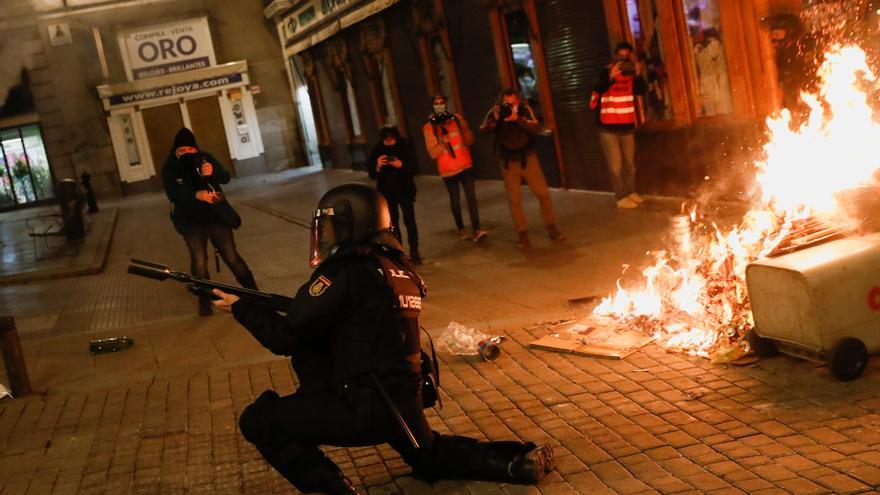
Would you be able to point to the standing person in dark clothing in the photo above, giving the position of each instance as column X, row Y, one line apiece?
column 86, row 179
column 447, row 138
column 796, row 66
column 192, row 179
column 393, row 165
column 515, row 127
column 352, row 333
column 614, row 100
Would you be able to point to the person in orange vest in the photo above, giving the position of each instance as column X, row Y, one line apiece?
column 614, row 100
column 447, row 138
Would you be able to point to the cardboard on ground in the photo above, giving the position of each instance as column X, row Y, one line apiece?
column 595, row 336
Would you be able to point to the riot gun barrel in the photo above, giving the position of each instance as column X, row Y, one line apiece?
column 204, row 287
column 149, row 269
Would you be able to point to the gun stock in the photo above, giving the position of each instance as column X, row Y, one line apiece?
column 203, row 287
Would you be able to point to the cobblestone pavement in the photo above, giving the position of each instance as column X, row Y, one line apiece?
column 654, row 422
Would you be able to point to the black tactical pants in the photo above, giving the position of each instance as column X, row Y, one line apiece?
column 288, row 430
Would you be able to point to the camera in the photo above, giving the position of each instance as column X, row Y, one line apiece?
column 505, row 111
column 195, row 160
column 440, row 118
column 626, row 65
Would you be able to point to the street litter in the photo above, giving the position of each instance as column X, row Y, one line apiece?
column 597, row 336
column 111, row 344
column 462, row 341
column 4, row 392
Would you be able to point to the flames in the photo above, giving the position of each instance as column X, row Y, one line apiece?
column 693, row 298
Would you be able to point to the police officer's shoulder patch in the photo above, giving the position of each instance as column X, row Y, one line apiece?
column 319, row 286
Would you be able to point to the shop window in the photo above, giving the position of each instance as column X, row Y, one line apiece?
column 435, row 51
column 518, row 35
column 648, row 40
column 388, row 96
column 25, row 176
column 703, row 21
column 307, row 117
column 443, row 73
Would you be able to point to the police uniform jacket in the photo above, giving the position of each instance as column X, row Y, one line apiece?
column 357, row 314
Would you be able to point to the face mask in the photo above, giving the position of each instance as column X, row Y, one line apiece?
column 438, row 109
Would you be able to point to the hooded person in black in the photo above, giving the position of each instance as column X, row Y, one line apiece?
column 191, row 179
column 392, row 164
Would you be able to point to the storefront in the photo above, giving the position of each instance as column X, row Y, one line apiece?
column 357, row 65
column 25, row 175
column 174, row 82
column 342, row 75
column 709, row 65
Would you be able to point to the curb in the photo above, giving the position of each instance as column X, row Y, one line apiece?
column 97, row 265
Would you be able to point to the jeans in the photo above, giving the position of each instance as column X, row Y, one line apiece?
column 619, row 151
column 466, row 179
column 220, row 235
column 513, row 174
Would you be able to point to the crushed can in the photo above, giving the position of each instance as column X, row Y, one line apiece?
column 111, row 344
column 489, row 349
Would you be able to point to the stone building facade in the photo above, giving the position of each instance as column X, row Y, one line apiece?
column 214, row 65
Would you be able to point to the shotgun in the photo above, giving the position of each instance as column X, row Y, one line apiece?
column 203, row 287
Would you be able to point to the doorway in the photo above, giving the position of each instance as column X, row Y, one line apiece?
column 206, row 123
column 161, row 124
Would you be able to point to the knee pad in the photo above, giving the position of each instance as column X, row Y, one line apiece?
column 252, row 423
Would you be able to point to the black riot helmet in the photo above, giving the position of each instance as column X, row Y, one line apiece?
column 347, row 214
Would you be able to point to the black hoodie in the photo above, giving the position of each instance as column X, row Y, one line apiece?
column 396, row 183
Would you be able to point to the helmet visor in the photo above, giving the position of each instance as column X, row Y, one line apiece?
column 323, row 237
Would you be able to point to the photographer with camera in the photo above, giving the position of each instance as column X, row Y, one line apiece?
column 447, row 137
column 393, row 165
column 191, row 179
column 515, row 126
column 614, row 100
column 352, row 333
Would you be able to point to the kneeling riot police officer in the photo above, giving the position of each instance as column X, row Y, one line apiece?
column 352, row 333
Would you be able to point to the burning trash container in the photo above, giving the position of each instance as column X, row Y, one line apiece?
column 821, row 303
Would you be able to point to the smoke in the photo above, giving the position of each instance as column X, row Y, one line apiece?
column 14, row 60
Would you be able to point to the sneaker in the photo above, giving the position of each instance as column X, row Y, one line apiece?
column 463, row 234
column 627, row 203
column 554, row 233
column 479, row 235
column 523, row 240
column 636, row 198
column 533, row 465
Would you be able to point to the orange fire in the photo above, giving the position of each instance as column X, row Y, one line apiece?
column 693, row 298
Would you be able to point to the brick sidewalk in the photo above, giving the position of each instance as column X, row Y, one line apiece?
column 652, row 423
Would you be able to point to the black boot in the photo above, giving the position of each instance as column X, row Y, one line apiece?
column 463, row 457
column 248, row 282
column 516, row 462
column 325, row 478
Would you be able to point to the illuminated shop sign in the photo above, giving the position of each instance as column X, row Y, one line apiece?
column 217, row 82
column 167, row 48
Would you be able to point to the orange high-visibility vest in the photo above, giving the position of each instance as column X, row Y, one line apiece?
column 617, row 105
column 456, row 156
